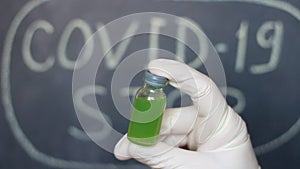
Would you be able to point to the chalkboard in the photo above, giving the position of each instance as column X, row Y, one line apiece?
column 257, row 41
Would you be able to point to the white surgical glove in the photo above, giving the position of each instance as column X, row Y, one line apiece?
column 215, row 135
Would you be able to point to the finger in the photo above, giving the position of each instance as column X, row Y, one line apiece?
column 178, row 121
column 121, row 150
column 204, row 93
column 157, row 156
column 175, row 140
column 180, row 75
column 125, row 150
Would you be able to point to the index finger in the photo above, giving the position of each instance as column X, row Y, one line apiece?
column 202, row 90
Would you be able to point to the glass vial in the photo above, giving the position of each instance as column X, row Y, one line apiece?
column 148, row 107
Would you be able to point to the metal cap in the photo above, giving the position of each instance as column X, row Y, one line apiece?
column 154, row 80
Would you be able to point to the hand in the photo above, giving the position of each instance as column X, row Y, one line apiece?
column 215, row 135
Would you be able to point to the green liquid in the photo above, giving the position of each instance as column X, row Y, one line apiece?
column 145, row 123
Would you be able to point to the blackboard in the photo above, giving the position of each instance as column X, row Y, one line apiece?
column 257, row 41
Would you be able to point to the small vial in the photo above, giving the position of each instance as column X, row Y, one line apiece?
column 148, row 107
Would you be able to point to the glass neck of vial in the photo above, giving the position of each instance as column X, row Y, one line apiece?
column 151, row 87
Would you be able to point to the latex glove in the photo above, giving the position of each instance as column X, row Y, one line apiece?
column 215, row 135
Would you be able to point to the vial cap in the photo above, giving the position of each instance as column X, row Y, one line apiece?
column 154, row 80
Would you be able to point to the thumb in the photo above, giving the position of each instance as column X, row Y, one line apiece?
column 157, row 156
column 154, row 156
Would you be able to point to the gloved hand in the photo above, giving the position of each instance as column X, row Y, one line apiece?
column 215, row 135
